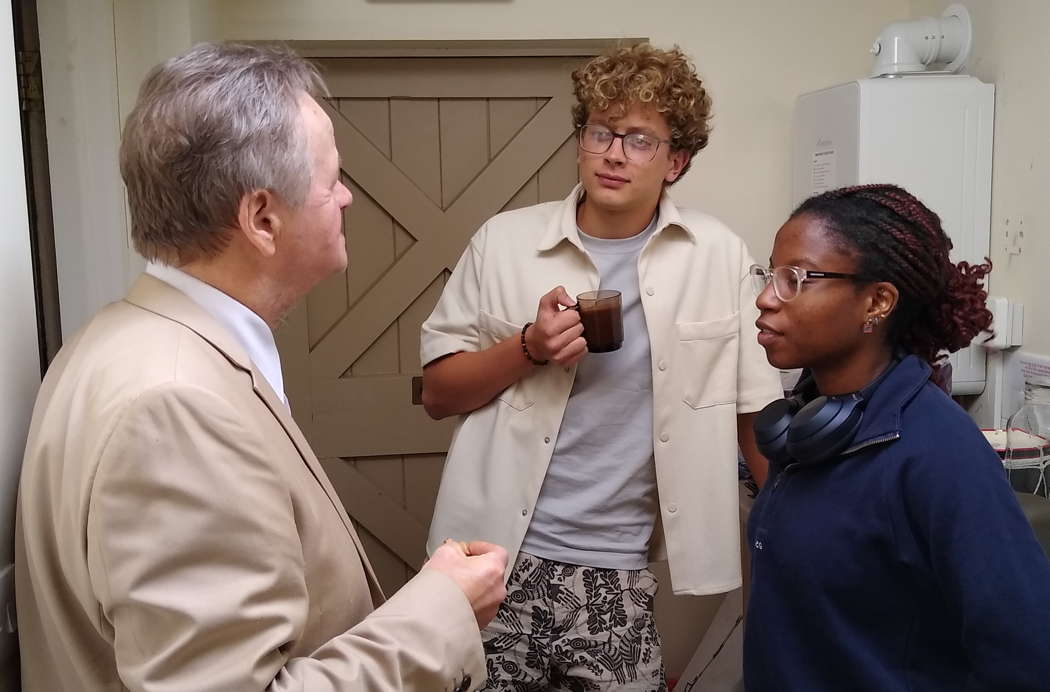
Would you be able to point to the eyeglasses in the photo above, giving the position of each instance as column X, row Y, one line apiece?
column 637, row 146
column 787, row 280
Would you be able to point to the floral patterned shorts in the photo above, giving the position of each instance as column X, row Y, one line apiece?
column 572, row 628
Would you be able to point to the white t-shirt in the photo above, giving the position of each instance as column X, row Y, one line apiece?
column 597, row 505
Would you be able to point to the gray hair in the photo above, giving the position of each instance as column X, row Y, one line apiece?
column 210, row 126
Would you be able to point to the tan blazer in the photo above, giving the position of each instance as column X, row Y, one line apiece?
column 175, row 532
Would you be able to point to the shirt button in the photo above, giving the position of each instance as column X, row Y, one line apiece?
column 672, row 508
column 525, row 512
column 546, row 440
column 662, row 365
column 664, row 437
column 568, row 369
column 649, row 290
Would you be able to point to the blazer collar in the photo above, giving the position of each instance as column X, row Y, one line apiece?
column 562, row 225
column 152, row 294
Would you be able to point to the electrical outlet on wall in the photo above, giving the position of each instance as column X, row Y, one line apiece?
column 1013, row 236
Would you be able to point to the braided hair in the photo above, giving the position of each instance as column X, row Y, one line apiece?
column 896, row 238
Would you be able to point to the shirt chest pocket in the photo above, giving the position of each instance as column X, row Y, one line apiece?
column 706, row 360
column 493, row 331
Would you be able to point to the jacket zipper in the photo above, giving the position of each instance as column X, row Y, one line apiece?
column 769, row 506
column 871, row 443
column 780, row 476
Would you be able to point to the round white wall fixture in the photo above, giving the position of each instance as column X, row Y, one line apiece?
column 911, row 46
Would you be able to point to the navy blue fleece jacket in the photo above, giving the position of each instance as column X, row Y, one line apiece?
column 903, row 564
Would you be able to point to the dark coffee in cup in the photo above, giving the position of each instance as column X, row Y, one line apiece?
column 601, row 313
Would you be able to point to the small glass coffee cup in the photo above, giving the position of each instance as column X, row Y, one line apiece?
column 601, row 314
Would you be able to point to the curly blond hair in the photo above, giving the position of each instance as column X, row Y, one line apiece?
column 642, row 74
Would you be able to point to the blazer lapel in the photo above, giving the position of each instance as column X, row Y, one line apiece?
column 284, row 417
column 150, row 293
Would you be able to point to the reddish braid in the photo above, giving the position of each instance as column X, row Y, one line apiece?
column 896, row 238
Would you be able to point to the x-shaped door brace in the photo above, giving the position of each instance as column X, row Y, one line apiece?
column 440, row 234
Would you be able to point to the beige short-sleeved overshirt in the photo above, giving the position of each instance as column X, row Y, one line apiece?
column 706, row 365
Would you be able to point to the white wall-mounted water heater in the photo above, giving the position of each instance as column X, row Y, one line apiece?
column 929, row 133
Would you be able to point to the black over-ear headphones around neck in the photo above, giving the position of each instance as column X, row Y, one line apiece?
column 812, row 432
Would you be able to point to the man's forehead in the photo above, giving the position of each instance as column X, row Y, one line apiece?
column 643, row 112
column 312, row 111
column 308, row 103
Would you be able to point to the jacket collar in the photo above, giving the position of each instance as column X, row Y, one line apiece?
column 882, row 413
column 150, row 293
column 156, row 296
column 562, row 225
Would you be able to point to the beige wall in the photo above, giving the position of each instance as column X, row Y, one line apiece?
column 1010, row 50
column 147, row 32
column 80, row 97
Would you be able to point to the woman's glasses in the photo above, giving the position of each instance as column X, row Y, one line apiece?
column 787, row 280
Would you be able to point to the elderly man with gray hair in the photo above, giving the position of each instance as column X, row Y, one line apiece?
column 174, row 529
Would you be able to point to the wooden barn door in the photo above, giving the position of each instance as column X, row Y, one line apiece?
column 431, row 147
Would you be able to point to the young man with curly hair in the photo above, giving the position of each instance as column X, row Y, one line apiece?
column 586, row 465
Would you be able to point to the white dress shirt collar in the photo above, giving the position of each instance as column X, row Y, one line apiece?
column 247, row 327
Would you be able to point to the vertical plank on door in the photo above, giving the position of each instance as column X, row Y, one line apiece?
column 402, row 239
column 525, row 197
column 372, row 118
column 415, row 132
column 464, row 145
column 368, row 226
column 369, row 231
column 410, row 322
column 415, row 140
column 388, row 474
column 559, row 174
column 422, row 478
column 372, row 252
column 381, row 358
column 331, row 298
column 389, row 568
column 372, row 232
column 506, row 118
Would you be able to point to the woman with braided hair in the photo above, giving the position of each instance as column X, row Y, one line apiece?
column 888, row 550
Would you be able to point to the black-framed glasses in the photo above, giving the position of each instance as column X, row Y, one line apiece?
column 637, row 146
column 787, row 279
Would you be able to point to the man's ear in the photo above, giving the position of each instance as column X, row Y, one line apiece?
column 259, row 220
column 679, row 159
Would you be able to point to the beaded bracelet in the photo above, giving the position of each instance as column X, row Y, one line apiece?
column 525, row 349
